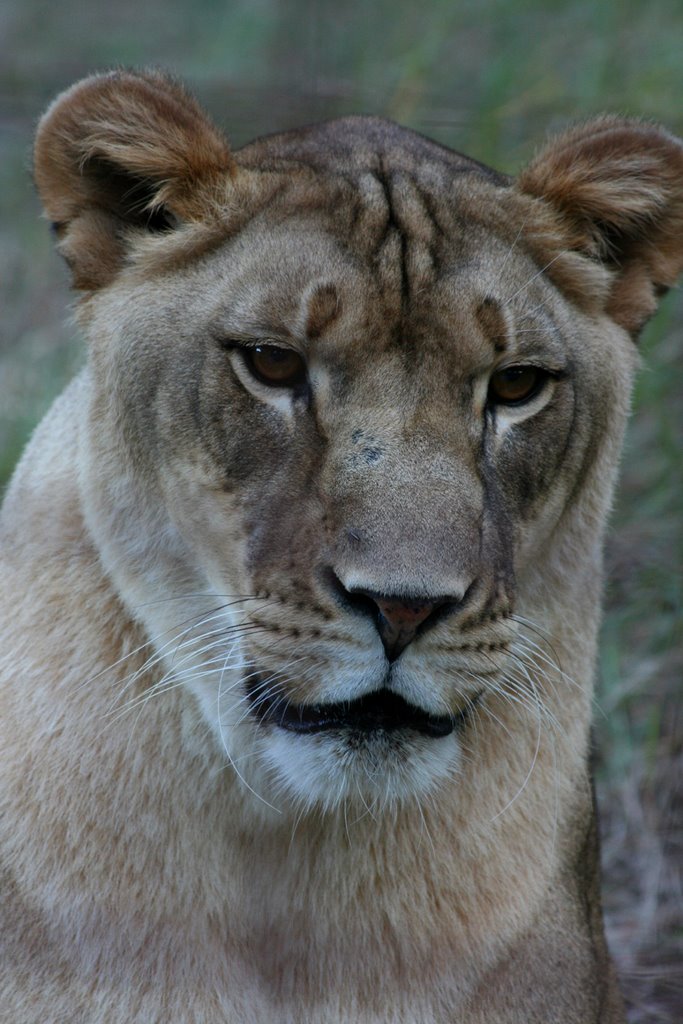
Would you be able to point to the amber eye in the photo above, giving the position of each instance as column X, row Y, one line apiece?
column 275, row 366
column 515, row 384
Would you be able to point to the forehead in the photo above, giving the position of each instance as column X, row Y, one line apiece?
column 382, row 257
column 400, row 203
column 361, row 234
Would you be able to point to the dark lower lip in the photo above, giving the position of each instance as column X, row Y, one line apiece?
column 380, row 711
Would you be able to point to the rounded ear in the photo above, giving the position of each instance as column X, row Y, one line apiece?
column 616, row 189
column 120, row 151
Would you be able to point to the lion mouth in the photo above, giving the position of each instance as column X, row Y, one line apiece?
column 380, row 711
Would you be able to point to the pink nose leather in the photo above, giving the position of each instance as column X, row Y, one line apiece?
column 399, row 621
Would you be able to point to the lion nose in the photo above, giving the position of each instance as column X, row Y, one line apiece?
column 399, row 618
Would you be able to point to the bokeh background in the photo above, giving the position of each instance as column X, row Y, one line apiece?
column 490, row 77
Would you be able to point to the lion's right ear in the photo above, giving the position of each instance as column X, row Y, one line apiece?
column 121, row 151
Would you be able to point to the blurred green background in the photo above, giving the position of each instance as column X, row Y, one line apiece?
column 490, row 77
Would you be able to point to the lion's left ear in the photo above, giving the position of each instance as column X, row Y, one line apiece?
column 616, row 189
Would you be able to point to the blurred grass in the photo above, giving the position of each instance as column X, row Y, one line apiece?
column 490, row 77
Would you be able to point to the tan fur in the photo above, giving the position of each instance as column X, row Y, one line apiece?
column 179, row 534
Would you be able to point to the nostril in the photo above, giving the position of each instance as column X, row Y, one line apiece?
column 353, row 598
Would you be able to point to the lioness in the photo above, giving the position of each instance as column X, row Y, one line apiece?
column 301, row 576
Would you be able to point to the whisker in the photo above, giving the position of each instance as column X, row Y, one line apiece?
column 521, row 789
column 512, row 247
column 533, row 277
column 227, row 752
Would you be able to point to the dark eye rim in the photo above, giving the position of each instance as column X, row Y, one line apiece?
column 542, row 377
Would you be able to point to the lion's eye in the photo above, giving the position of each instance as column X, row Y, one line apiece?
column 515, row 384
column 277, row 367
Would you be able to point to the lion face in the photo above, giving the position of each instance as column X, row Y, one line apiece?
column 355, row 408
column 353, row 475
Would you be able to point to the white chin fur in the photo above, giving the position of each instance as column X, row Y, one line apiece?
column 286, row 771
column 327, row 770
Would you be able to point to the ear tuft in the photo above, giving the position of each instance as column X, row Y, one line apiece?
column 125, row 150
column 616, row 188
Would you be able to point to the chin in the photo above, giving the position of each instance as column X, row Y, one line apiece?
column 368, row 754
column 366, row 773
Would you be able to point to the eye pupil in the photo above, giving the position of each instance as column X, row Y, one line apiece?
column 275, row 365
column 515, row 384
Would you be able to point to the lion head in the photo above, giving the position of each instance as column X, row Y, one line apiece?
column 354, row 408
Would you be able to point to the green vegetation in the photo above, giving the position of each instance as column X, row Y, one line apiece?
column 489, row 77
